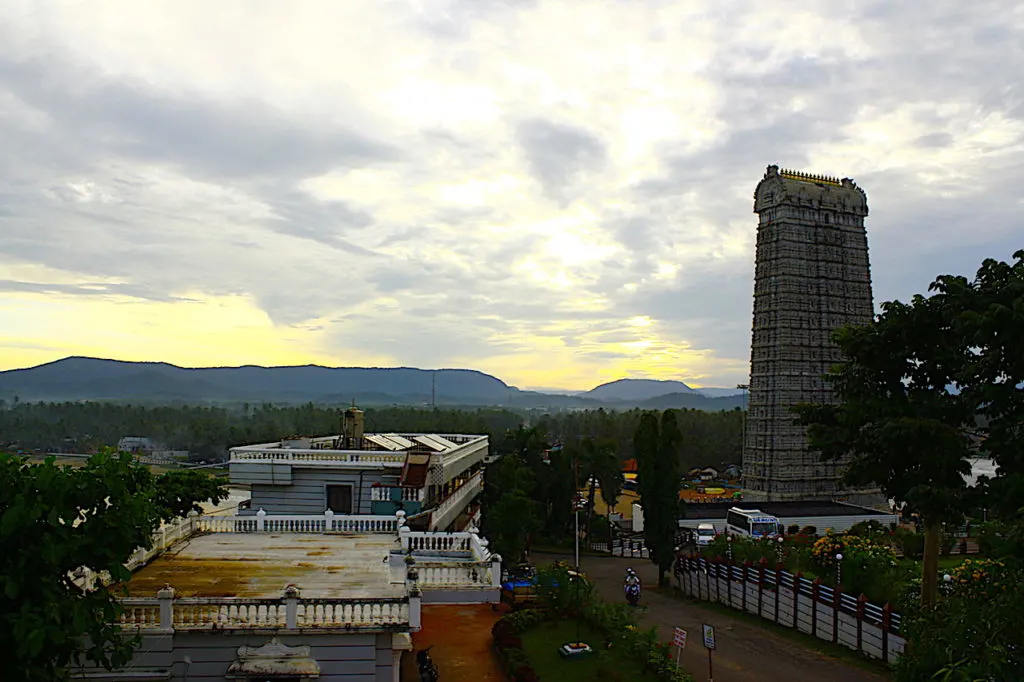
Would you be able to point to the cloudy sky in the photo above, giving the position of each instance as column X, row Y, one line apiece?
column 555, row 192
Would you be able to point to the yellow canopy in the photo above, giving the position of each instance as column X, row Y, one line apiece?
column 629, row 477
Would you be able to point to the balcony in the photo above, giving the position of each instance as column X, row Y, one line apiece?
column 450, row 507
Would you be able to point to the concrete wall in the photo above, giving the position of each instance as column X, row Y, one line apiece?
column 342, row 657
column 306, row 493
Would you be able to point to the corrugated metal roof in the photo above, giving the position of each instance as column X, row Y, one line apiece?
column 384, row 442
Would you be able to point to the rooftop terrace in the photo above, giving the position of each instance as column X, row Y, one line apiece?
column 261, row 565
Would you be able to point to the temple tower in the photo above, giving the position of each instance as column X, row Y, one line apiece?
column 811, row 276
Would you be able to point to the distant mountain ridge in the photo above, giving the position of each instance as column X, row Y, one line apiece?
column 637, row 389
column 81, row 378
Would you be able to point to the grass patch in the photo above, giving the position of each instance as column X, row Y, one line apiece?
column 822, row 647
column 541, row 646
column 946, row 562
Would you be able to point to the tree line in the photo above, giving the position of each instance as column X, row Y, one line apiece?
column 710, row 438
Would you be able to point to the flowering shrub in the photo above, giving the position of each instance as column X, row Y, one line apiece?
column 981, row 578
column 824, row 551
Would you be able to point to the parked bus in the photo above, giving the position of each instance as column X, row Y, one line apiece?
column 752, row 523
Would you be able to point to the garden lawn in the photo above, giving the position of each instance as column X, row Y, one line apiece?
column 541, row 645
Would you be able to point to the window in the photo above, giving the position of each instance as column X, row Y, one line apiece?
column 339, row 499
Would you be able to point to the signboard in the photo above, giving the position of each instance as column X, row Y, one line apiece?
column 680, row 638
column 709, row 636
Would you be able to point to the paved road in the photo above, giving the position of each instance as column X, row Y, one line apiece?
column 745, row 653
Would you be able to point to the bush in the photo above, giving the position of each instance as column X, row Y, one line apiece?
column 999, row 539
column 561, row 592
column 973, row 633
column 909, row 542
column 809, row 530
column 509, row 645
column 871, row 530
column 793, row 530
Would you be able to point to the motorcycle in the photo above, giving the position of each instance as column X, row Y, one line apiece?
column 633, row 594
column 428, row 671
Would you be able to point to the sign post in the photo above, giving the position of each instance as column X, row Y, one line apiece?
column 680, row 641
column 709, row 644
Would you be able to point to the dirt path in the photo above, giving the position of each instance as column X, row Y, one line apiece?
column 745, row 652
column 460, row 635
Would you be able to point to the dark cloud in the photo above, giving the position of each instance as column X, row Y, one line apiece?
column 558, row 154
column 89, row 289
column 210, row 139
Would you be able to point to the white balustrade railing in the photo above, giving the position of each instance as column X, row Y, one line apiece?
column 141, row 613
column 383, row 494
column 328, row 522
column 290, row 611
column 355, row 613
column 419, row 541
column 464, row 574
column 274, row 456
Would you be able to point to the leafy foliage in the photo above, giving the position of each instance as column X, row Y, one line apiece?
column 657, row 448
column 895, row 420
column 973, row 633
column 54, row 520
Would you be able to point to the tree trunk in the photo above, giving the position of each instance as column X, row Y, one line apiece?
column 930, row 568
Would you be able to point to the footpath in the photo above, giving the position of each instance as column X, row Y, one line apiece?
column 746, row 652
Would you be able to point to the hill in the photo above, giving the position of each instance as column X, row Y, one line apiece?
column 631, row 390
column 77, row 378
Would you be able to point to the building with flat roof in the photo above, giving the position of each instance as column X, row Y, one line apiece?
column 289, row 597
column 433, row 478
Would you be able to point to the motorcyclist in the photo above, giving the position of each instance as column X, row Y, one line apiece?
column 632, row 578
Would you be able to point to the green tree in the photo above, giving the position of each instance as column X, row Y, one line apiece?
column 657, row 453
column 54, row 520
column 897, row 420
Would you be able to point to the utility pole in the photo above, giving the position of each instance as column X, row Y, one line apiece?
column 433, row 390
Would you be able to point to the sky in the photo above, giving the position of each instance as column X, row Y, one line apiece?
column 558, row 193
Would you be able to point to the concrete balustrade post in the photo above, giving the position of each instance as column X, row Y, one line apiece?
column 495, row 570
column 166, row 597
column 291, row 607
column 260, row 520
column 403, row 536
column 415, row 601
column 328, row 521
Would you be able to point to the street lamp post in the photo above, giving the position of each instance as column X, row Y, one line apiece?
column 780, row 540
column 839, row 570
column 728, row 546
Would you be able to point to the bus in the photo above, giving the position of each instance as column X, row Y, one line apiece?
column 752, row 523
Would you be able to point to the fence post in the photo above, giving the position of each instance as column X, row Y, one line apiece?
column 166, row 597
column 743, row 583
column 778, row 589
column 886, row 624
column 815, row 590
column 837, row 602
column 291, row 607
column 797, row 579
column 760, row 585
column 861, row 600
column 260, row 516
column 728, row 581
